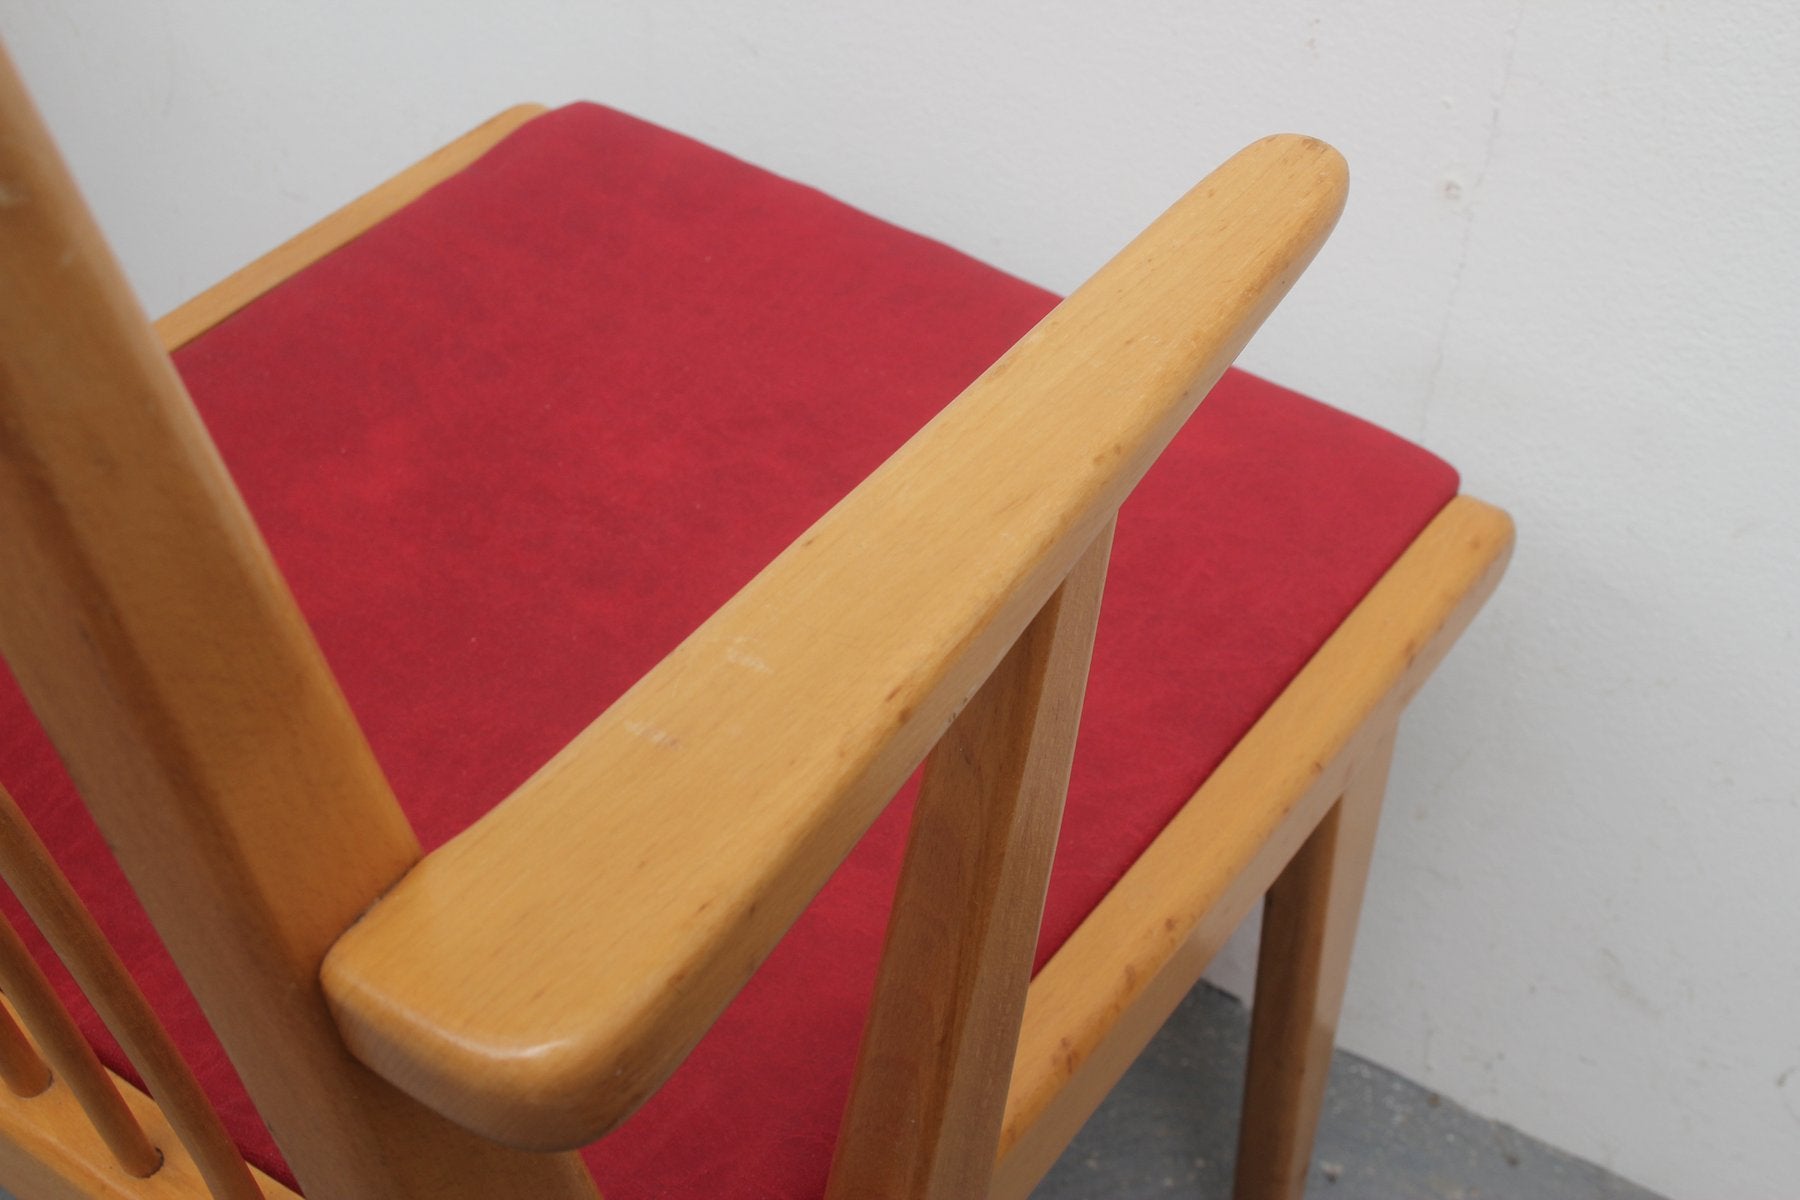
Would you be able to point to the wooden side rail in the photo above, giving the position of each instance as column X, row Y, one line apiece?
column 1096, row 1004
column 187, row 322
column 539, row 976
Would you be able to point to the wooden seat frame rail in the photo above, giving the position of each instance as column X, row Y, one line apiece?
column 165, row 658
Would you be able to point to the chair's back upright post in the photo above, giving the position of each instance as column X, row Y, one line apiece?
column 147, row 624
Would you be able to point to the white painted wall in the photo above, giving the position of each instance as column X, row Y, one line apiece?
column 1570, row 264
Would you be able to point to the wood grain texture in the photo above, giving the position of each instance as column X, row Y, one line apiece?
column 1309, row 926
column 22, row 1069
column 59, row 914
column 159, row 647
column 1096, row 1004
column 187, row 322
column 48, row 1151
column 673, row 842
column 71, row 1058
column 930, row 1087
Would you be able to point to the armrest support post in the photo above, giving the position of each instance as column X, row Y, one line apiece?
column 937, row 1053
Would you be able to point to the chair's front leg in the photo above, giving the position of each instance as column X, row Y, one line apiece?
column 1309, row 923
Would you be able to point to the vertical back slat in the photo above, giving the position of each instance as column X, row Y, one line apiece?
column 41, row 887
column 930, row 1091
column 156, row 642
column 22, row 1069
column 71, row 1057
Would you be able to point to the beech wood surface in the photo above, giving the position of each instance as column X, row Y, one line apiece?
column 70, row 1057
column 59, row 914
column 1097, row 1003
column 49, row 1151
column 930, row 1087
column 22, row 1069
column 1309, row 925
column 541, row 974
column 159, row 647
column 1113, row 1010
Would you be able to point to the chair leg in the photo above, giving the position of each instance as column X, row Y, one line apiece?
column 1309, row 923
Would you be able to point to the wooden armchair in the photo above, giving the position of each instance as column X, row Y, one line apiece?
column 454, row 1022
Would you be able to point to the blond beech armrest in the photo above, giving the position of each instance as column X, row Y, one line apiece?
column 539, row 976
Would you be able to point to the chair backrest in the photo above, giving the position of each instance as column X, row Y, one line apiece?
column 156, row 641
column 148, row 626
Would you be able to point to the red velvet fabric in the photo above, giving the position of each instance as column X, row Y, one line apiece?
column 512, row 445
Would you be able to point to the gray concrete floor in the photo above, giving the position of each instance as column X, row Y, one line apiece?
column 1169, row 1129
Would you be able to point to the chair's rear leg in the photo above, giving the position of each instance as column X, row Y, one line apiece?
column 1309, row 923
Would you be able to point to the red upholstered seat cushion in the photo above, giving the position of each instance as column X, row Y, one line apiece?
column 513, row 444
